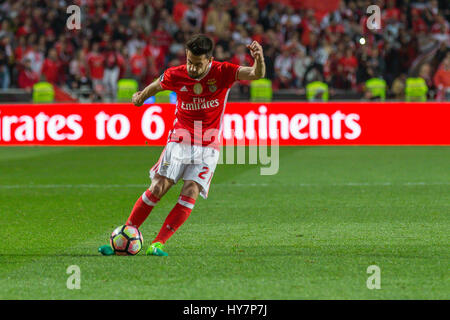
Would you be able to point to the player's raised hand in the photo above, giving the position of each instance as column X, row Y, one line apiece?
column 136, row 99
column 256, row 50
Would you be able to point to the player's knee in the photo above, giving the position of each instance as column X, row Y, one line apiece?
column 191, row 189
column 159, row 186
column 156, row 190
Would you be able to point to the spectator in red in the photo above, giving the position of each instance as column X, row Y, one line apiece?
column 26, row 28
column 51, row 67
column 408, row 28
column 96, row 63
column 179, row 10
column 309, row 24
column 418, row 24
column 27, row 77
column 138, row 65
column 349, row 64
column 441, row 78
column 391, row 12
column 152, row 49
column 161, row 37
column 258, row 34
column 19, row 52
column 241, row 57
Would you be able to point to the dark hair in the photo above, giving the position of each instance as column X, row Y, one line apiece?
column 200, row 44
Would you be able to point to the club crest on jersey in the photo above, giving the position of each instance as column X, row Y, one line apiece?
column 198, row 89
column 212, row 85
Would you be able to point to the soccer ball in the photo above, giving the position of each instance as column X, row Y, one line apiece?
column 126, row 240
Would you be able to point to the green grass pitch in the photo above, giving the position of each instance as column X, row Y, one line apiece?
column 309, row 232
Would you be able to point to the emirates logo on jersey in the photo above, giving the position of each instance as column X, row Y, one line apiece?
column 199, row 104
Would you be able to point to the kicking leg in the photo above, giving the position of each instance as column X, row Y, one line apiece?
column 144, row 205
column 176, row 217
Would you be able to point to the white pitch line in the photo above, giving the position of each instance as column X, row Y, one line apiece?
column 108, row 186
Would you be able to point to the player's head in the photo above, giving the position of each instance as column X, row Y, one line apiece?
column 199, row 51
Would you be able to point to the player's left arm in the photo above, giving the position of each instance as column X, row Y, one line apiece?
column 258, row 70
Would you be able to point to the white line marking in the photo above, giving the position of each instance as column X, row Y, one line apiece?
column 111, row 186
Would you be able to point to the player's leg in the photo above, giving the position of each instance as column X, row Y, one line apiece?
column 163, row 174
column 197, row 177
column 177, row 216
column 144, row 205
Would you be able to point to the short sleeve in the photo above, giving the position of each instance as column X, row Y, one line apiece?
column 166, row 80
column 229, row 72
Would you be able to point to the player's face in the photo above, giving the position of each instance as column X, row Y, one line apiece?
column 196, row 65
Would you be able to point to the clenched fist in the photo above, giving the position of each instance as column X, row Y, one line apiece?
column 136, row 99
column 256, row 50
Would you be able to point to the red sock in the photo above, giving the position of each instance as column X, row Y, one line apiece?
column 176, row 218
column 142, row 209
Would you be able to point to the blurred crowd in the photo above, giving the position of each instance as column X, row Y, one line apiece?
column 140, row 38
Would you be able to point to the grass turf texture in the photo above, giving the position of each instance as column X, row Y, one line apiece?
column 309, row 232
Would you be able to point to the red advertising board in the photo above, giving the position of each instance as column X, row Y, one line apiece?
column 292, row 123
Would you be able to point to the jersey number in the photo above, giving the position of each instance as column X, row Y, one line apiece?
column 201, row 174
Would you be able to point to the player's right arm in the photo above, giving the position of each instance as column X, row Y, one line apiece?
column 152, row 89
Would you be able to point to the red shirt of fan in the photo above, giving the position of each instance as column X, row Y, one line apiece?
column 51, row 69
column 96, row 65
column 138, row 64
column 200, row 102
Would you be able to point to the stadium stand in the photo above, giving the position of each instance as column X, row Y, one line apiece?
column 304, row 41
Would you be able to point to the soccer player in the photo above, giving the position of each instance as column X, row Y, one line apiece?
column 192, row 151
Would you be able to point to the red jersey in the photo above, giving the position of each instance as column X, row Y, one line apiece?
column 200, row 101
column 51, row 70
column 96, row 65
column 138, row 64
column 27, row 78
